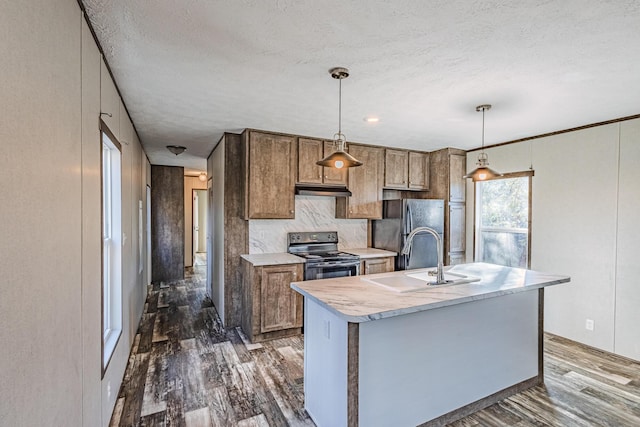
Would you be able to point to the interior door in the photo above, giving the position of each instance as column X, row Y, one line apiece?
column 196, row 221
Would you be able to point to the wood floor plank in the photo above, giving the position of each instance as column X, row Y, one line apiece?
column 257, row 421
column 160, row 327
column 154, row 398
column 186, row 369
column 157, row 419
column 198, row 418
column 222, row 412
column 116, row 417
column 133, row 392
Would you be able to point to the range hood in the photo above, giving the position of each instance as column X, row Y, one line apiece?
column 322, row 190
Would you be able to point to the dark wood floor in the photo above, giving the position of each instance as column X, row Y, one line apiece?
column 186, row 370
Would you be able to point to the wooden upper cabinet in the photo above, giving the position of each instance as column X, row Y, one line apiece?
column 457, row 169
column 309, row 152
column 271, row 176
column 333, row 176
column 406, row 170
column 418, row 170
column 447, row 168
column 396, row 171
column 365, row 183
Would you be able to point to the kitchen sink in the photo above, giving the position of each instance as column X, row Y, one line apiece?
column 411, row 282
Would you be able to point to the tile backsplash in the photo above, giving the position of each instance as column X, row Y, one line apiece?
column 313, row 213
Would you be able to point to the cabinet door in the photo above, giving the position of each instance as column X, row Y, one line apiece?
column 418, row 170
column 396, row 165
column 332, row 175
column 376, row 265
column 280, row 306
column 457, row 168
column 272, row 175
column 309, row 152
column 456, row 227
column 365, row 183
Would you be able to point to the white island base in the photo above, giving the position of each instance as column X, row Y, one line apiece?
column 432, row 366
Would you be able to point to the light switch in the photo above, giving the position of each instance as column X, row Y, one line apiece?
column 327, row 329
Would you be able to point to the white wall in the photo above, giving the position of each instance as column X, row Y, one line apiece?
column 627, row 302
column 40, row 221
column 578, row 224
column 190, row 183
column 91, row 227
column 50, row 256
column 313, row 213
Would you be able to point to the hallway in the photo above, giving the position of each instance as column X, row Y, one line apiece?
column 186, row 370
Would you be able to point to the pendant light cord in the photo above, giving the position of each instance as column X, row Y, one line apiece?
column 483, row 110
column 340, row 108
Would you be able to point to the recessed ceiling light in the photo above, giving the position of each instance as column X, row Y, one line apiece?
column 372, row 119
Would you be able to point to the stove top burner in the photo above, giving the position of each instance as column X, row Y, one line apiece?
column 317, row 248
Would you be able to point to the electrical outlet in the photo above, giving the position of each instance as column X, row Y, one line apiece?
column 108, row 389
column 589, row 325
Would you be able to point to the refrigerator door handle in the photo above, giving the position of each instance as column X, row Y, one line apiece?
column 409, row 225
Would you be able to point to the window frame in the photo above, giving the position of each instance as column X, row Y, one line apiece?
column 530, row 174
column 112, row 338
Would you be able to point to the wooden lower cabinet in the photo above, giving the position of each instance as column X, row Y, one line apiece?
column 271, row 309
column 376, row 265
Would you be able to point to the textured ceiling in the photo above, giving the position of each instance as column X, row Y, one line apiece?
column 190, row 70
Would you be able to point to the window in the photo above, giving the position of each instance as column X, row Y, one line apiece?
column 503, row 215
column 111, row 247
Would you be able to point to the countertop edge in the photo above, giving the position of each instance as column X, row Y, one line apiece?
column 367, row 253
column 282, row 258
column 429, row 306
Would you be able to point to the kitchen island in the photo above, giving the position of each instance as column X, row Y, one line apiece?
column 378, row 356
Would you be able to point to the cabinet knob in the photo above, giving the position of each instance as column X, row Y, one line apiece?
column 326, row 176
column 291, row 211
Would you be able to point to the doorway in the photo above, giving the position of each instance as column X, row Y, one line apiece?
column 199, row 241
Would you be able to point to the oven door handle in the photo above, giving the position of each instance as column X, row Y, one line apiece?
column 333, row 264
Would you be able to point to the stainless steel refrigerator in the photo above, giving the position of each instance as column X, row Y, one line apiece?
column 401, row 216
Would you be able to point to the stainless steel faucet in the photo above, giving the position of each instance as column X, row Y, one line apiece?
column 407, row 248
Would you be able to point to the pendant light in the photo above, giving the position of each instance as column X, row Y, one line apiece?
column 339, row 159
column 482, row 172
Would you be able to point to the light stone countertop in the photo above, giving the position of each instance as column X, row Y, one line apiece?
column 356, row 300
column 364, row 253
column 273, row 259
